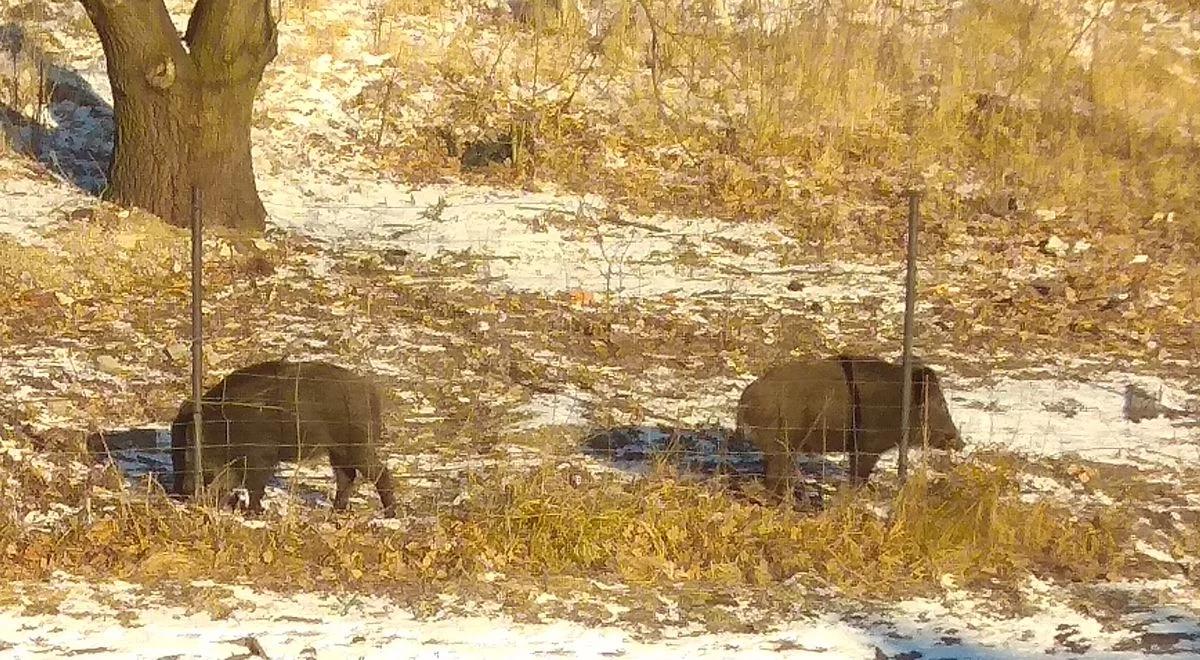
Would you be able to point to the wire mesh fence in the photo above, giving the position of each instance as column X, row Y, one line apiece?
column 608, row 287
column 265, row 426
column 702, row 438
column 259, row 417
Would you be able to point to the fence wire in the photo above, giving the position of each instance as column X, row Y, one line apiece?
column 270, row 419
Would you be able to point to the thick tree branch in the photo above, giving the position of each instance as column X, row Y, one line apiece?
column 232, row 40
column 142, row 32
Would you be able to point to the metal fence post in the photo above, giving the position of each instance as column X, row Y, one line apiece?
column 197, row 452
column 910, row 300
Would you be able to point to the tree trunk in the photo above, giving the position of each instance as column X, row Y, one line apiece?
column 183, row 114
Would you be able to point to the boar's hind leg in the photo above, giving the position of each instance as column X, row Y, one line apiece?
column 378, row 474
column 374, row 471
column 359, row 456
column 345, row 472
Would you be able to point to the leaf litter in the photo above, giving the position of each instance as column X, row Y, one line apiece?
column 469, row 300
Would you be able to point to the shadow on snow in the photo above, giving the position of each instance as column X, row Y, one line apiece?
column 63, row 123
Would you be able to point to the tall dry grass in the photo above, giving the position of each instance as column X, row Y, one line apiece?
column 970, row 524
column 816, row 114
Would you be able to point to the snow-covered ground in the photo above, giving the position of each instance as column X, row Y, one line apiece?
column 314, row 626
column 1053, row 418
column 118, row 620
column 31, row 204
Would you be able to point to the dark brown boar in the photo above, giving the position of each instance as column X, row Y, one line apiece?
column 270, row 412
column 843, row 404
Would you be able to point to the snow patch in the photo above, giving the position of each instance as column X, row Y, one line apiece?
column 566, row 408
column 31, row 206
column 1050, row 417
column 118, row 620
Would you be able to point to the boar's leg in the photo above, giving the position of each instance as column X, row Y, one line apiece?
column 861, row 465
column 183, row 487
column 355, row 456
column 229, row 478
column 255, row 482
column 345, row 476
column 374, row 471
column 779, row 469
column 378, row 474
column 218, row 487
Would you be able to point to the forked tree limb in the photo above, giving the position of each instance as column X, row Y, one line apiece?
column 229, row 41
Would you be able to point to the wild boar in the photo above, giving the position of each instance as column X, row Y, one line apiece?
column 270, row 412
column 843, row 404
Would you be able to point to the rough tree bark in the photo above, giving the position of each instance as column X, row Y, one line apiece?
column 183, row 113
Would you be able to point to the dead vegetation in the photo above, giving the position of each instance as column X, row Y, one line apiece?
column 816, row 114
column 471, row 506
column 813, row 119
column 1026, row 123
column 968, row 526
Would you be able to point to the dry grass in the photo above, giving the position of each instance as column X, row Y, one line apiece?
column 657, row 531
column 969, row 524
column 814, row 119
column 817, row 116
